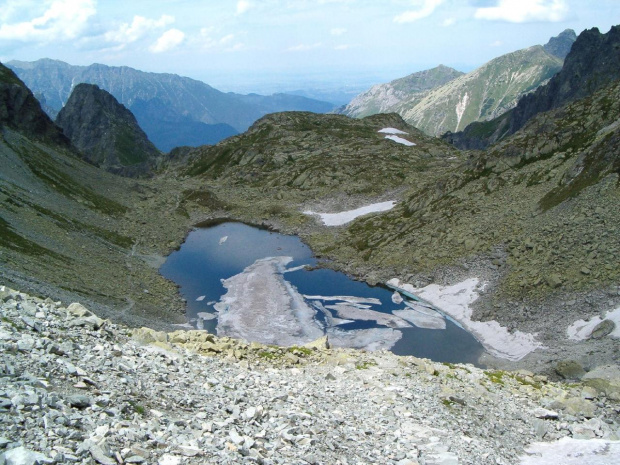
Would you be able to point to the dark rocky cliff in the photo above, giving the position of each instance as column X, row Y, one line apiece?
column 106, row 132
column 21, row 111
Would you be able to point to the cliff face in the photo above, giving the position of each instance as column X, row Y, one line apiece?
column 21, row 111
column 106, row 132
column 592, row 63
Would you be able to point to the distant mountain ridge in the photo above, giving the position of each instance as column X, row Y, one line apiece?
column 106, row 133
column 592, row 64
column 187, row 101
column 480, row 95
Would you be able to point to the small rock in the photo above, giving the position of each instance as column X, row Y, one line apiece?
column 79, row 401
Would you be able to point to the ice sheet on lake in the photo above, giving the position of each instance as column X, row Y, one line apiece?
column 223, row 239
column 400, row 140
column 569, row 451
column 206, row 315
column 397, row 298
column 368, row 339
column 391, row 131
column 345, row 298
column 581, row 329
column 338, row 219
column 456, row 302
column 296, row 268
column 329, row 318
column 260, row 305
column 354, row 313
column 421, row 316
column 201, row 298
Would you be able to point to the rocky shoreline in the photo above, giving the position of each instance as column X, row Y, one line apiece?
column 75, row 388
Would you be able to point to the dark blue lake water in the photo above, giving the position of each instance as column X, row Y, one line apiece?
column 224, row 250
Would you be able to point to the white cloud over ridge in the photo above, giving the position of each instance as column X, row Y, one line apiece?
column 424, row 8
column 62, row 20
column 524, row 11
column 139, row 27
column 169, row 40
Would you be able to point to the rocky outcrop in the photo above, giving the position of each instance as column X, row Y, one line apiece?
column 21, row 111
column 71, row 393
column 560, row 46
column 592, row 64
column 106, row 132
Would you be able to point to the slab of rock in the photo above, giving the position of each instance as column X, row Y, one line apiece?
column 604, row 328
column 606, row 380
column 569, row 369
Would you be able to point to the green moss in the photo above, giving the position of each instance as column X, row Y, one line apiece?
column 11, row 240
column 300, row 350
column 364, row 365
column 45, row 169
column 496, row 377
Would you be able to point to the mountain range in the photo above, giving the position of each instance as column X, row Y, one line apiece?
column 443, row 99
column 535, row 215
column 173, row 110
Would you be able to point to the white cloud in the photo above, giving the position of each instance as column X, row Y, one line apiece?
column 338, row 31
column 226, row 39
column 243, row 6
column 304, row 47
column 62, row 20
column 448, row 22
column 168, row 40
column 424, row 8
column 523, row 11
column 497, row 43
column 342, row 47
column 139, row 27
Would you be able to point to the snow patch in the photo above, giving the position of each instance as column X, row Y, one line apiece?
column 338, row 219
column 569, row 451
column 391, row 131
column 400, row 140
column 460, row 109
column 455, row 301
column 581, row 329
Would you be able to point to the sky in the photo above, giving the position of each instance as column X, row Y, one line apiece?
column 266, row 45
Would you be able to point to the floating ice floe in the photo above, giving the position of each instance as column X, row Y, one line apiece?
column 261, row 306
column 397, row 298
column 223, row 239
column 400, row 140
column 345, row 298
column 421, row 316
column 338, row 219
column 201, row 298
column 569, row 451
column 368, row 339
column 581, row 329
column 455, row 301
column 206, row 315
column 346, row 311
column 391, row 131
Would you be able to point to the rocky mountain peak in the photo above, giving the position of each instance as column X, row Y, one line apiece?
column 106, row 132
column 20, row 110
column 561, row 44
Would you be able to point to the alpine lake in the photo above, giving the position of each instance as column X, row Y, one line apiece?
column 353, row 314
